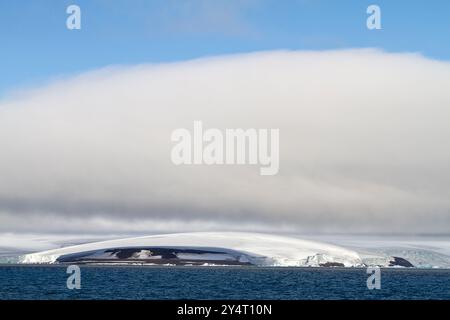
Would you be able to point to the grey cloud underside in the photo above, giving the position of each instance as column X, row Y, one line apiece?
column 364, row 141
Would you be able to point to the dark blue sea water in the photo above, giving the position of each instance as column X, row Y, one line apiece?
column 49, row 282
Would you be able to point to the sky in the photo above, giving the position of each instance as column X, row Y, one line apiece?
column 36, row 47
column 86, row 116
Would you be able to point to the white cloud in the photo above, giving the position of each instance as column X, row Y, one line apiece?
column 364, row 138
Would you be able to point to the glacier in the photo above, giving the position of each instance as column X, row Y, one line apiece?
column 212, row 248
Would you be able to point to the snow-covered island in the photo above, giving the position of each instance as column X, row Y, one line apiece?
column 213, row 248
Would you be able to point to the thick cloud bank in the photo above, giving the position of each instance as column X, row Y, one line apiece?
column 364, row 146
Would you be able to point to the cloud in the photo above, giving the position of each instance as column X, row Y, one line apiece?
column 363, row 146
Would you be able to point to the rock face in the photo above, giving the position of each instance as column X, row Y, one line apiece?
column 331, row 264
column 400, row 262
column 155, row 255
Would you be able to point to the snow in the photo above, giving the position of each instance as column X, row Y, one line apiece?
column 421, row 251
column 259, row 249
column 206, row 256
column 256, row 248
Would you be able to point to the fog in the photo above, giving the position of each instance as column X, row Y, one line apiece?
column 364, row 146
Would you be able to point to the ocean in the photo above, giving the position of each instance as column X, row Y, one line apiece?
column 236, row 282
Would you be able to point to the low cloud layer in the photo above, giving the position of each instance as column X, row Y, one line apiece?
column 364, row 146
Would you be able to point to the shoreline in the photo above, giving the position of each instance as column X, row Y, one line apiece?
column 62, row 265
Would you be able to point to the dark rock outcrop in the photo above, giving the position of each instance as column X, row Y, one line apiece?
column 332, row 264
column 400, row 262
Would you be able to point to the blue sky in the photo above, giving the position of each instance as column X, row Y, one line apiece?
column 36, row 46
